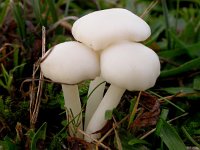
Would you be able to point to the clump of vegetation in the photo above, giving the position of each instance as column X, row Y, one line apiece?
column 32, row 113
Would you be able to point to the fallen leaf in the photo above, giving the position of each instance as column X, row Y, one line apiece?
column 149, row 114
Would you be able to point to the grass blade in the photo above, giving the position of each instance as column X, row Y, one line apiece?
column 163, row 116
column 165, row 13
column 170, row 137
column 196, row 83
column 3, row 11
column 17, row 10
column 40, row 134
column 137, row 141
column 37, row 11
column 52, row 10
column 189, row 137
column 67, row 7
column 188, row 66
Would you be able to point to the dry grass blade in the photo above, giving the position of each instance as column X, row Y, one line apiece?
column 132, row 116
column 149, row 8
column 60, row 22
column 4, row 48
column 118, row 141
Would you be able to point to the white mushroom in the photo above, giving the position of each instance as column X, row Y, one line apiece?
column 95, row 95
column 71, row 63
column 125, row 65
column 102, row 28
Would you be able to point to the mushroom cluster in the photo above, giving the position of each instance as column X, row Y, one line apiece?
column 107, row 50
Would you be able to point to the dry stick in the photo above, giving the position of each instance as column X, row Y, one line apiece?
column 32, row 97
column 36, row 104
column 39, row 92
column 151, row 131
column 33, row 103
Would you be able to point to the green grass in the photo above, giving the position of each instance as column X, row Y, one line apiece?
column 175, row 26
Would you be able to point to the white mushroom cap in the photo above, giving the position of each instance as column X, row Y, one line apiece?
column 105, row 27
column 129, row 65
column 70, row 62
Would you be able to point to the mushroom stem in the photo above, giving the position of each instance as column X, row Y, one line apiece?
column 109, row 102
column 95, row 95
column 73, row 104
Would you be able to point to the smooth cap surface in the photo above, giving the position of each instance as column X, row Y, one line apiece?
column 129, row 65
column 105, row 27
column 70, row 62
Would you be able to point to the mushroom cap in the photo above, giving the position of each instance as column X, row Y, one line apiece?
column 105, row 27
column 70, row 62
column 129, row 65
